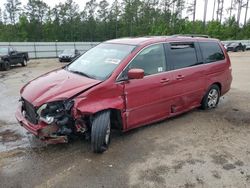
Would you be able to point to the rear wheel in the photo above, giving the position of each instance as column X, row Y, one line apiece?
column 100, row 132
column 211, row 99
column 24, row 63
column 6, row 65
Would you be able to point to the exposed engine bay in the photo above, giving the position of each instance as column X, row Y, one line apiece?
column 58, row 121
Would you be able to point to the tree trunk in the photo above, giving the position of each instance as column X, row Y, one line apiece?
column 221, row 10
column 194, row 15
column 231, row 8
column 239, row 11
column 205, row 13
column 218, row 10
column 245, row 20
column 214, row 9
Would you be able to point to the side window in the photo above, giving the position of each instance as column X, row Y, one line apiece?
column 11, row 49
column 151, row 60
column 211, row 52
column 182, row 55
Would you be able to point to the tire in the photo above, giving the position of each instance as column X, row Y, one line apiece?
column 24, row 63
column 211, row 98
column 100, row 132
column 6, row 65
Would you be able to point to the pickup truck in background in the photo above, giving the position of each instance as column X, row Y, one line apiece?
column 9, row 56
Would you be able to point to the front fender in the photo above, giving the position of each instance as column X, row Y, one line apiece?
column 98, row 99
column 92, row 107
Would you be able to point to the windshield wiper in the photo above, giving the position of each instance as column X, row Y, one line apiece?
column 81, row 73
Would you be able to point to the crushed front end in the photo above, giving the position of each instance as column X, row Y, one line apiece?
column 52, row 122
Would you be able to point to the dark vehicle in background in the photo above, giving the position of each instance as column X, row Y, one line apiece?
column 248, row 46
column 9, row 56
column 235, row 47
column 68, row 55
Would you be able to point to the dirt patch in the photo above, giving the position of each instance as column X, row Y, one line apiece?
column 2, row 75
column 155, row 175
column 179, row 164
column 216, row 174
column 9, row 136
column 239, row 163
column 13, row 153
column 228, row 166
column 189, row 185
column 219, row 159
column 10, row 155
column 2, row 123
column 238, row 117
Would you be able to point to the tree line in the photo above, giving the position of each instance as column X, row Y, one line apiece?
column 101, row 20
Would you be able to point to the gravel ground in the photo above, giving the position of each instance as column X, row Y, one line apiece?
column 196, row 149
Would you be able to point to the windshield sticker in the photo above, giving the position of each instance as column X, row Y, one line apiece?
column 160, row 69
column 113, row 61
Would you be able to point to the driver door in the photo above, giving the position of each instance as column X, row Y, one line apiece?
column 13, row 56
column 145, row 100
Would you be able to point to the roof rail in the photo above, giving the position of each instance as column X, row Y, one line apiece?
column 191, row 35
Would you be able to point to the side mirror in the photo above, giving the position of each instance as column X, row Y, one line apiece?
column 135, row 73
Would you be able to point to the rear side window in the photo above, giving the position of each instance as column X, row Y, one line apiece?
column 182, row 55
column 211, row 52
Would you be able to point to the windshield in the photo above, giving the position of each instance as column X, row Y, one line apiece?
column 233, row 44
column 68, row 51
column 3, row 51
column 100, row 61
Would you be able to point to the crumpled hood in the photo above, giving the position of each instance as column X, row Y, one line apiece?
column 56, row 85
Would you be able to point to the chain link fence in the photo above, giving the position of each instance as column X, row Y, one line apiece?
column 47, row 49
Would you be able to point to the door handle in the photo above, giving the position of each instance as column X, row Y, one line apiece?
column 165, row 80
column 180, row 77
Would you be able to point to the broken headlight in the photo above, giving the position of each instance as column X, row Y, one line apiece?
column 51, row 112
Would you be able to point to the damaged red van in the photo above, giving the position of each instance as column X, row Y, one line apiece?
column 124, row 84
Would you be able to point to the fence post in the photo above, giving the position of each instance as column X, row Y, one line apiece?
column 35, row 50
column 56, row 49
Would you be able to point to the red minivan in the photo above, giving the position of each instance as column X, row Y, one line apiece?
column 123, row 84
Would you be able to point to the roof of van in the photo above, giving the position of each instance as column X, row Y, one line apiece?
column 153, row 39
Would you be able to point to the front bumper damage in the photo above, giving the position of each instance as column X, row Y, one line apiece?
column 47, row 133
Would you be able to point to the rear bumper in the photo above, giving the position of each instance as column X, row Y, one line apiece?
column 41, row 130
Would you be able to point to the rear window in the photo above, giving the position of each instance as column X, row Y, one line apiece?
column 183, row 55
column 211, row 52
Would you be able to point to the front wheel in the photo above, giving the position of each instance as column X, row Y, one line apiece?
column 6, row 65
column 100, row 132
column 211, row 99
column 24, row 63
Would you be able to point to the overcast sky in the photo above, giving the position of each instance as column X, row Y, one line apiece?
column 199, row 7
